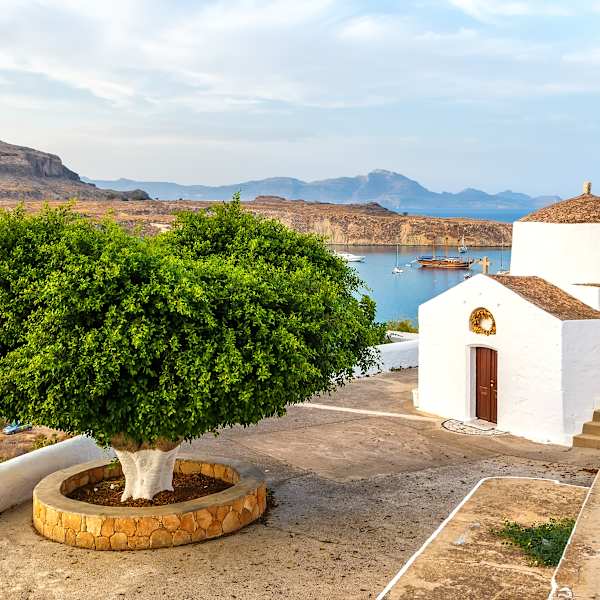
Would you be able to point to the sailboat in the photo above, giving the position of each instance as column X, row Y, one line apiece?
column 396, row 270
column 463, row 248
column 502, row 270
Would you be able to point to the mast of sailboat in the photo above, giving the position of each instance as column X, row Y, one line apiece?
column 446, row 242
column 396, row 251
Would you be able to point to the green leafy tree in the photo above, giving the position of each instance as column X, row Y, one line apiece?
column 145, row 342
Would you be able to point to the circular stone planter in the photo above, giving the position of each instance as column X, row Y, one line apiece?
column 127, row 528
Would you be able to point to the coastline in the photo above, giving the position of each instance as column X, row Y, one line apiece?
column 339, row 224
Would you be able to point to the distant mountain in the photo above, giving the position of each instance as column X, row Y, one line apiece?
column 391, row 190
column 28, row 174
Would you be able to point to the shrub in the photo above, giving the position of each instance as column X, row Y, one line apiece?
column 405, row 325
column 543, row 543
column 41, row 441
column 144, row 342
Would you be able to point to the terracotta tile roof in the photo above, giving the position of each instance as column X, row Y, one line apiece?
column 548, row 297
column 581, row 209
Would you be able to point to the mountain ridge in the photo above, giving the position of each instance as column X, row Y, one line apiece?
column 390, row 189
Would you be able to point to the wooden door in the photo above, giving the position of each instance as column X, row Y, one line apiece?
column 486, row 382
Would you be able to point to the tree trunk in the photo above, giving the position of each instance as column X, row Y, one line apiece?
column 147, row 471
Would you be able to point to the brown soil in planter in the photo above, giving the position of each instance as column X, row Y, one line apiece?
column 185, row 487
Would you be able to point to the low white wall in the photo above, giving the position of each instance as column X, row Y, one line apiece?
column 401, row 336
column 19, row 475
column 398, row 355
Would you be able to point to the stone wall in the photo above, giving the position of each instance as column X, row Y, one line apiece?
column 123, row 528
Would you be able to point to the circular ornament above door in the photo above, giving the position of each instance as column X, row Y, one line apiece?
column 482, row 322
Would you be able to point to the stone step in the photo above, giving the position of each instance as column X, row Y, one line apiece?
column 586, row 440
column 596, row 416
column 592, row 427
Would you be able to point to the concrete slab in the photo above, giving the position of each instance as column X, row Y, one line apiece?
column 387, row 391
column 346, row 518
column 466, row 560
column 578, row 575
column 363, row 448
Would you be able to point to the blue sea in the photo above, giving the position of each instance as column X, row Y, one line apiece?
column 504, row 215
column 399, row 296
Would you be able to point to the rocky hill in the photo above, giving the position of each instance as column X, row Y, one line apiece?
column 34, row 176
column 27, row 174
column 358, row 224
column 391, row 190
column 353, row 224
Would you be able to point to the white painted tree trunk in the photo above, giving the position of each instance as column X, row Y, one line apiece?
column 146, row 472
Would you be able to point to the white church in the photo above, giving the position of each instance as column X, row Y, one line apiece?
column 522, row 350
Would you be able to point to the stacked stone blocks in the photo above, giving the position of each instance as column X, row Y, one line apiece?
column 123, row 528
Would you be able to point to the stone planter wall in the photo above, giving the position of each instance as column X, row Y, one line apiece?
column 123, row 528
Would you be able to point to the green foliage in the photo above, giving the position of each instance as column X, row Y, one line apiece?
column 224, row 320
column 544, row 543
column 405, row 325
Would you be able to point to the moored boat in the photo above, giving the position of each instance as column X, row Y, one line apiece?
column 445, row 262
column 349, row 257
column 396, row 270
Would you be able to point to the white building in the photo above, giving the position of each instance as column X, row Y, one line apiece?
column 523, row 350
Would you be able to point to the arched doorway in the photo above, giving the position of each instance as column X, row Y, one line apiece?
column 486, row 379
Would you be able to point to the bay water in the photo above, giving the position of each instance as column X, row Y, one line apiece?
column 398, row 296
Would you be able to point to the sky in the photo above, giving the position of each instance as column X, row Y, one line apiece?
column 493, row 94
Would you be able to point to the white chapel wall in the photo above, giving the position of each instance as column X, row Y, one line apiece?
column 528, row 342
column 581, row 373
column 558, row 252
column 588, row 294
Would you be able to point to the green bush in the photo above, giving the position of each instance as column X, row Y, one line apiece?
column 224, row 320
column 543, row 543
column 405, row 325
column 41, row 441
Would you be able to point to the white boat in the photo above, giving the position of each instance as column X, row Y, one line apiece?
column 349, row 257
column 463, row 248
column 396, row 270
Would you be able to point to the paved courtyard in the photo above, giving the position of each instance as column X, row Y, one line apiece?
column 356, row 492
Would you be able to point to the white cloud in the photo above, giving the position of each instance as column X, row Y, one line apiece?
column 224, row 56
column 590, row 56
column 488, row 10
column 253, row 72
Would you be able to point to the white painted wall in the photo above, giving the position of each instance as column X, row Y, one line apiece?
column 398, row 355
column 588, row 294
column 581, row 373
column 528, row 342
column 19, row 475
column 559, row 252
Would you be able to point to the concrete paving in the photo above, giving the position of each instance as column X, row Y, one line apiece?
column 467, row 545
column 578, row 574
column 356, row 494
